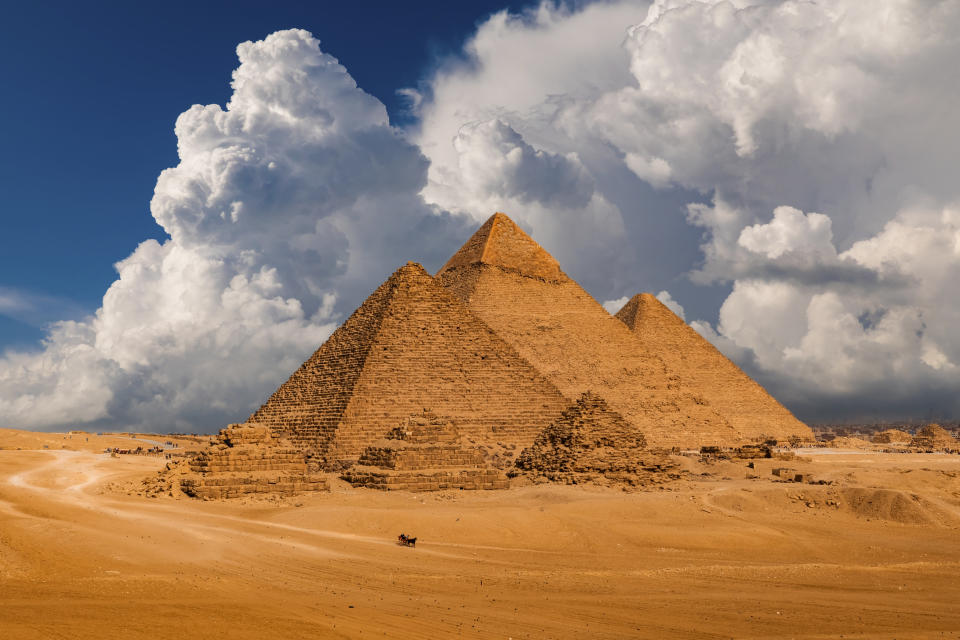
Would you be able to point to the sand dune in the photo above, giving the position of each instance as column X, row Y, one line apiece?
column 875, row 554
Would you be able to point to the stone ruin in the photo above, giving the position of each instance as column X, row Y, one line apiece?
column 513, row 352
column 893, row 436
column 426, row 453
column 249, row 459
column 933, row 437
column 589, row 442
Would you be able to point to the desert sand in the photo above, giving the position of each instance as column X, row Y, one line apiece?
column 716, row 554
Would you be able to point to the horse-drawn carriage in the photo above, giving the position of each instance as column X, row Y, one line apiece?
column 406, row 540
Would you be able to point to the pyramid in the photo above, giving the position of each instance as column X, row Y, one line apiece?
column 933, row 437
column 589, row 439
column 893, row 436
column 426, row 453
column 519, row 290
column 747, row 405
column 410, row 346
column 249, row 459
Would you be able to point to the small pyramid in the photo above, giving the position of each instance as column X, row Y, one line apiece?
column 590, row 438
column 426, row 453
column 410, row 345
column 936, row 438
column 893, row 436
column 747, row 405
column 517, row 288
column 247, row 459
column 501, row 243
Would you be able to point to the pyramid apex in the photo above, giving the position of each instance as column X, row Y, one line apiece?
column 500, row 242
column 644, row 305
column 411, row 268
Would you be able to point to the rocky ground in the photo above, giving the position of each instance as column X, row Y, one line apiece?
column 726, row 551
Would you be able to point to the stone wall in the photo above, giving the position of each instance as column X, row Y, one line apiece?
column 480, row 479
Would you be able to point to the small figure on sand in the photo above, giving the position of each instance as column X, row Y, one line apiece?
column 406, row 540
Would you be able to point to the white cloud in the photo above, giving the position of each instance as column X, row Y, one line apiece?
column 294, row 199
column 790, row 231
column 806, row 150
column 797, row 160
column 495, row 160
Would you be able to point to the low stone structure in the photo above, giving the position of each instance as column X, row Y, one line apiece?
column 933, row 437
column 591, row 442
column 893, row 436
column 248, row 459
column 426, row 453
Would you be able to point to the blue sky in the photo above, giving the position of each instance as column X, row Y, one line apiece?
column 781, row 173
column 91, row 94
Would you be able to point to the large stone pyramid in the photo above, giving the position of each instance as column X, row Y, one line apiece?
column 519, row 290
column 410, row 347
column 747, row 405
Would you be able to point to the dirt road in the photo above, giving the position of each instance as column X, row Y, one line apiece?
column 875, row 555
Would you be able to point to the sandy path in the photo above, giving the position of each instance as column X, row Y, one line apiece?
column 716, row 559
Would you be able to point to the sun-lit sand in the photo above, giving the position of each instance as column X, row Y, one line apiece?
column 874, row 555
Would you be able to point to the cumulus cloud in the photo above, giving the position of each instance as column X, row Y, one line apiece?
column 785, row 169
column 287, row 207
column 794, row 160
column 493, row 159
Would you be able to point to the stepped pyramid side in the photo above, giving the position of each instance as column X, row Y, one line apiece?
column 431, row 352
column 410, row 345
column 309, row 406
column 893, row 436
column 933, row 437
column 590, row 439
column 249, row 459
column 563, row 332
column 746, row 404
column 424, row 454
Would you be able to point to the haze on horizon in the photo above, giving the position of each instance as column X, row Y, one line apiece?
column 782, row 174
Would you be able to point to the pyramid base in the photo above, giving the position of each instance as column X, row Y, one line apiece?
column 220, row 486
column 426, row 480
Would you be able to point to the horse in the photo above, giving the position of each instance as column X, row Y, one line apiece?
column 407, row 541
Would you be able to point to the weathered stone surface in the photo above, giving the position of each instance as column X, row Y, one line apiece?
column 748, row 407
column 426, row 453
column 893, row 436
column 556, row 326
column 590, row 440
column 933, row 437
column 246, row 459
column 410, row 345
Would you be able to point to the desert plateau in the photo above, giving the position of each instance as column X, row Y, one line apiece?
column 725, row 551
